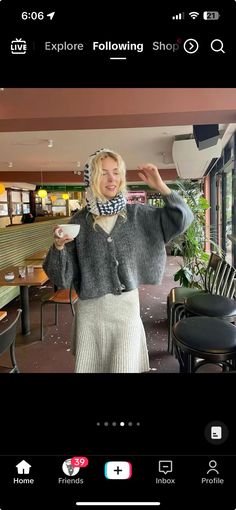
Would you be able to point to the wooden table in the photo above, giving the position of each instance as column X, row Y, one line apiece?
column 37, row 278
column 2, row 314
column 36, row 258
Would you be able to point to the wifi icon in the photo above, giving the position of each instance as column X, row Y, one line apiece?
column 194, row 14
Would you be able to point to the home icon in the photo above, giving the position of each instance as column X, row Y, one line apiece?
column 23, row 468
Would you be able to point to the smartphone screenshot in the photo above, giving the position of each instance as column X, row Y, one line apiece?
column 117, row 256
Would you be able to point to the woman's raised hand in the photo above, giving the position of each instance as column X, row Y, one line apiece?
column 150, row 175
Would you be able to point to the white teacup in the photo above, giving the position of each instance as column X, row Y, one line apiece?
column 9, row 276
column 70, row 230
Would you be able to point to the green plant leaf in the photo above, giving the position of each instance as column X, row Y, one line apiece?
column 191, row 245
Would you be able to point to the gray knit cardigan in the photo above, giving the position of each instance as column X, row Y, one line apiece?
column 133, row 253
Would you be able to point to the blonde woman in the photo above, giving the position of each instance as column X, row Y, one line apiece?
column 118, row 248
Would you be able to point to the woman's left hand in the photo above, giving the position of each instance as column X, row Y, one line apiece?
column 150, row 175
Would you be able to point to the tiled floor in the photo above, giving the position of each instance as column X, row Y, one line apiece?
column 53, row 354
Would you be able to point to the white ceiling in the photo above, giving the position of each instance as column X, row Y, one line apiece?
column 29, row 151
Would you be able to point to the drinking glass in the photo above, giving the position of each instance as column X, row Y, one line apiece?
column 22, row 271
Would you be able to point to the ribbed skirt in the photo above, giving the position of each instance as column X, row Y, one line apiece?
column 108, row 335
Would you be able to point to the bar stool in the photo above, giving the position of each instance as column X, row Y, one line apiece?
column 211, row 305
column 218, row 274
column 202, row 340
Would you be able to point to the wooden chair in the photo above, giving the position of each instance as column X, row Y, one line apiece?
column 7, row 341
column 58, row 297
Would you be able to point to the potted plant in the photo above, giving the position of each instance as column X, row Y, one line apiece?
column 191, row 244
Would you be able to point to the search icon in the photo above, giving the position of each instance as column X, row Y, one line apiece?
column 217, row 45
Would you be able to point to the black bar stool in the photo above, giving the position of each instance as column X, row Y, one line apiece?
column 202, row 340
column 211, row 305
column 219, row 280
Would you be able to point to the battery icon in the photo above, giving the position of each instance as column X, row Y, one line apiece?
column 211, row 15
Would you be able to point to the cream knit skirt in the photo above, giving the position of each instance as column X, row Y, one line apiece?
column 108, row 335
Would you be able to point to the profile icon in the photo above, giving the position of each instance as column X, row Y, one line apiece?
column 212, row 466
column 69, row 469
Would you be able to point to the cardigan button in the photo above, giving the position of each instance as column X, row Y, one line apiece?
column 109, row 239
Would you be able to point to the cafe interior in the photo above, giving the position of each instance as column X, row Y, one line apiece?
column 46, row 136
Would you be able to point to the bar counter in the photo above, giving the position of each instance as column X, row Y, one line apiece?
column 18, row 243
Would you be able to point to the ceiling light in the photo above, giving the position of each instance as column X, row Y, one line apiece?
column 10, row 164
column 2, row 188
column 42, row 193
column 166, row 158
column 50, row 143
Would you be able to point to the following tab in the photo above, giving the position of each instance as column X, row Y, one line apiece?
column 117, row 46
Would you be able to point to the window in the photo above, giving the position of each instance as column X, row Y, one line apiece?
column 3, row 204
column 228, row 214
column 20, row 202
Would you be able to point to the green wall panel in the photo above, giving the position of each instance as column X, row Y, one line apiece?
column 20, row 241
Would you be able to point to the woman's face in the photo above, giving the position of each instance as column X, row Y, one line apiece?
column 110, row 179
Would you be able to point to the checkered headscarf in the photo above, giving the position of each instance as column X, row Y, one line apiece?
column 95, row 206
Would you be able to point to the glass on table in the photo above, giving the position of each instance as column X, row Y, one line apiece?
column 22, row 271
column 30, row 270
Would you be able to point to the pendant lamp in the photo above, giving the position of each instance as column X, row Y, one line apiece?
column 42, row 193
column 2, row 188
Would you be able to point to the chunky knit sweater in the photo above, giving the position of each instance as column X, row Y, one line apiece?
column 98, row 263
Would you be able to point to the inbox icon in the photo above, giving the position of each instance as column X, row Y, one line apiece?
column 165, row 466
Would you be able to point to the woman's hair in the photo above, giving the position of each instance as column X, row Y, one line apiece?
column 96, row 167
column 96, row 173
